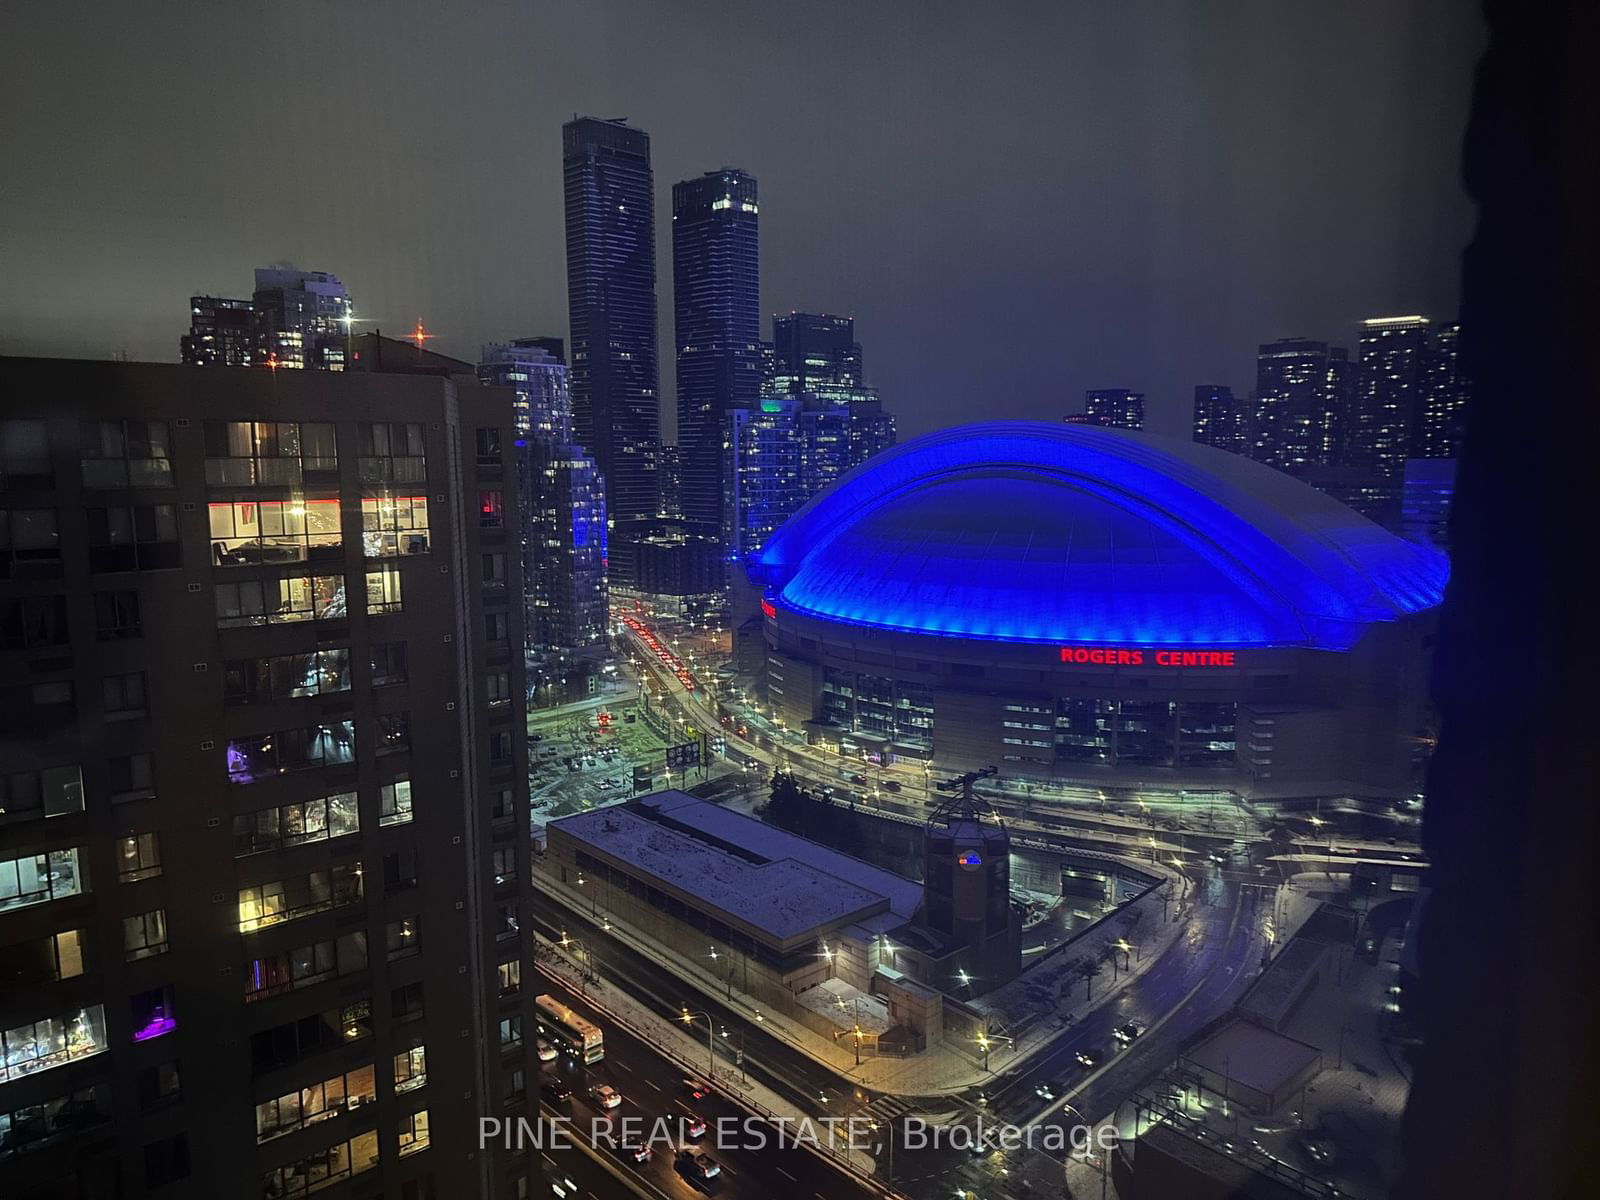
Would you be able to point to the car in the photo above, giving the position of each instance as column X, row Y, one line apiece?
column 547, row 1052
column 640, row 1153
column 1317, row 1150
column 1045, row 1091
column 1126, row 1033
column 556, row 1092
column 891, row 785
column 696, row 1089
column 605, row 1095
column 858, row 779
column 606, row 785
column 693, row 1127
column 616, row 783
column 536, row 737
column 1091, row 1058
column 699, row 1167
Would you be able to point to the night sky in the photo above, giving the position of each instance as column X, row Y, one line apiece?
column 1016, row 201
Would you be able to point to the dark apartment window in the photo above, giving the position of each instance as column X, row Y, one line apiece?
column 140, row 537
column 159, row 1085
column 391, row 452
column 29, row 621
column 317, row 820
column 286, row 677
column 38, row 709
column 118, row 454
column 24, row 449
column 138, row 857
column 388, row 663
column 331, row 743
column 494, row 572
column 394, row 732
column 117, row 615
column 510, row 1032
column 494, row 627
column 30, row 795
column 400, row 870
column 497, row 689
column 405, row 1003
column 513, row 1086
column 503, row 862
column 131, row 777
column 264, row 453
column 488, row 442
column 491, row 509
column 144, row 935
column 500, row 805
column 500, row 751
column 166, row 1161
column 27, row 535
column 38, row 961
column 505, row 920
column 124, row 696
column 280, row 601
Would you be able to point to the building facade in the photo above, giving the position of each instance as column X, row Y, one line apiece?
column 813, row 348
column 295, row 320
column 611, row 303
column 717, row 321
column 1301, row 405
column 1114, row 408
column 263, row 835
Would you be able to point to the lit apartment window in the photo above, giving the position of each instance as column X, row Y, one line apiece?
column 510, row 975
column 383, row 591
column 296, row 824
column 410, row 1069
column 491, row 510
column 303, row 966
column 36, row 1046
column 331, row 1097
column 322, row 1169
column 414, row 1132
column 331, row 743
column 286, row 676
column 265, row 453
column 42, row 960
column 394, row 733
column 394, row 802
column 392, row 526
column 280, row 601
column 282, row 900
column 153, row 1014
column 403, row 938
column 256, row 532
column 39, row 878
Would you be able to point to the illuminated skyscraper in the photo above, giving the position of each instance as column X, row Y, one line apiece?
column 717, row 318
column 1386, row 415
column 1301, row 401
column 1220, row 419
column 222, row 333
column 564, row 532
column 811, row 348
column 1115, row 408
column 1444, row 398
column 303, row 317
column 611, row 301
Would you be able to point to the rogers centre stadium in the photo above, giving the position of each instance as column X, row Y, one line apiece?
column 1095, row 606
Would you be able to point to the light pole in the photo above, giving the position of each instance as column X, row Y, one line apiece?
column 688, row 1018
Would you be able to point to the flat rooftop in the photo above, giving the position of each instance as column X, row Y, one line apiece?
column 1255, row 1057
column 751, row 873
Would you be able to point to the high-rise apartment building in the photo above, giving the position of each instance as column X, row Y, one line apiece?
column 717, row 320
column 564, row 534
column 1393, row 381
column 222, row 333
column 1115, row 408
column 263, row 818
column 295, row 320
column 1444, row 397
column 1300, row 405
column 812, row 348
column 1220, row 420
column 611, row 300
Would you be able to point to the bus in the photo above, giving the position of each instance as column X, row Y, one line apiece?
column 566, row 1030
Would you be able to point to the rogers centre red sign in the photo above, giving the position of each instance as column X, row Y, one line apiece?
column 1108, row 656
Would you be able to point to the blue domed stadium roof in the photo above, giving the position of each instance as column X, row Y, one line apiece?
column 1030, row 532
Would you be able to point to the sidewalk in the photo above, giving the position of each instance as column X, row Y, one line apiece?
column 941, row 1070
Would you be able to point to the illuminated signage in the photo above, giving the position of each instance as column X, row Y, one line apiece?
column 769, row 609
column 969, row 858
column 1110, row 656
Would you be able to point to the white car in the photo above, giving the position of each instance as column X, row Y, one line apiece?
column 606, row 1096
column 547, row 1052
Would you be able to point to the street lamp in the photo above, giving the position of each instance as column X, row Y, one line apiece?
column 688, row 1018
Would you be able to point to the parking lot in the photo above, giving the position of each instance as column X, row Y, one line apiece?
column 579, row 760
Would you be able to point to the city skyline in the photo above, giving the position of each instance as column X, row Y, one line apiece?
column 1167, row 287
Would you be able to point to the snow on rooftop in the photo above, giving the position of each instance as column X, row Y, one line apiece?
column 783, row 897
column 845, row 1007
column 755, row 835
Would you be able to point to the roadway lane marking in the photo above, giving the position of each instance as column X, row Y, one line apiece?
column 787, row 1176
column 618, row 1062
column 657, row 1086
